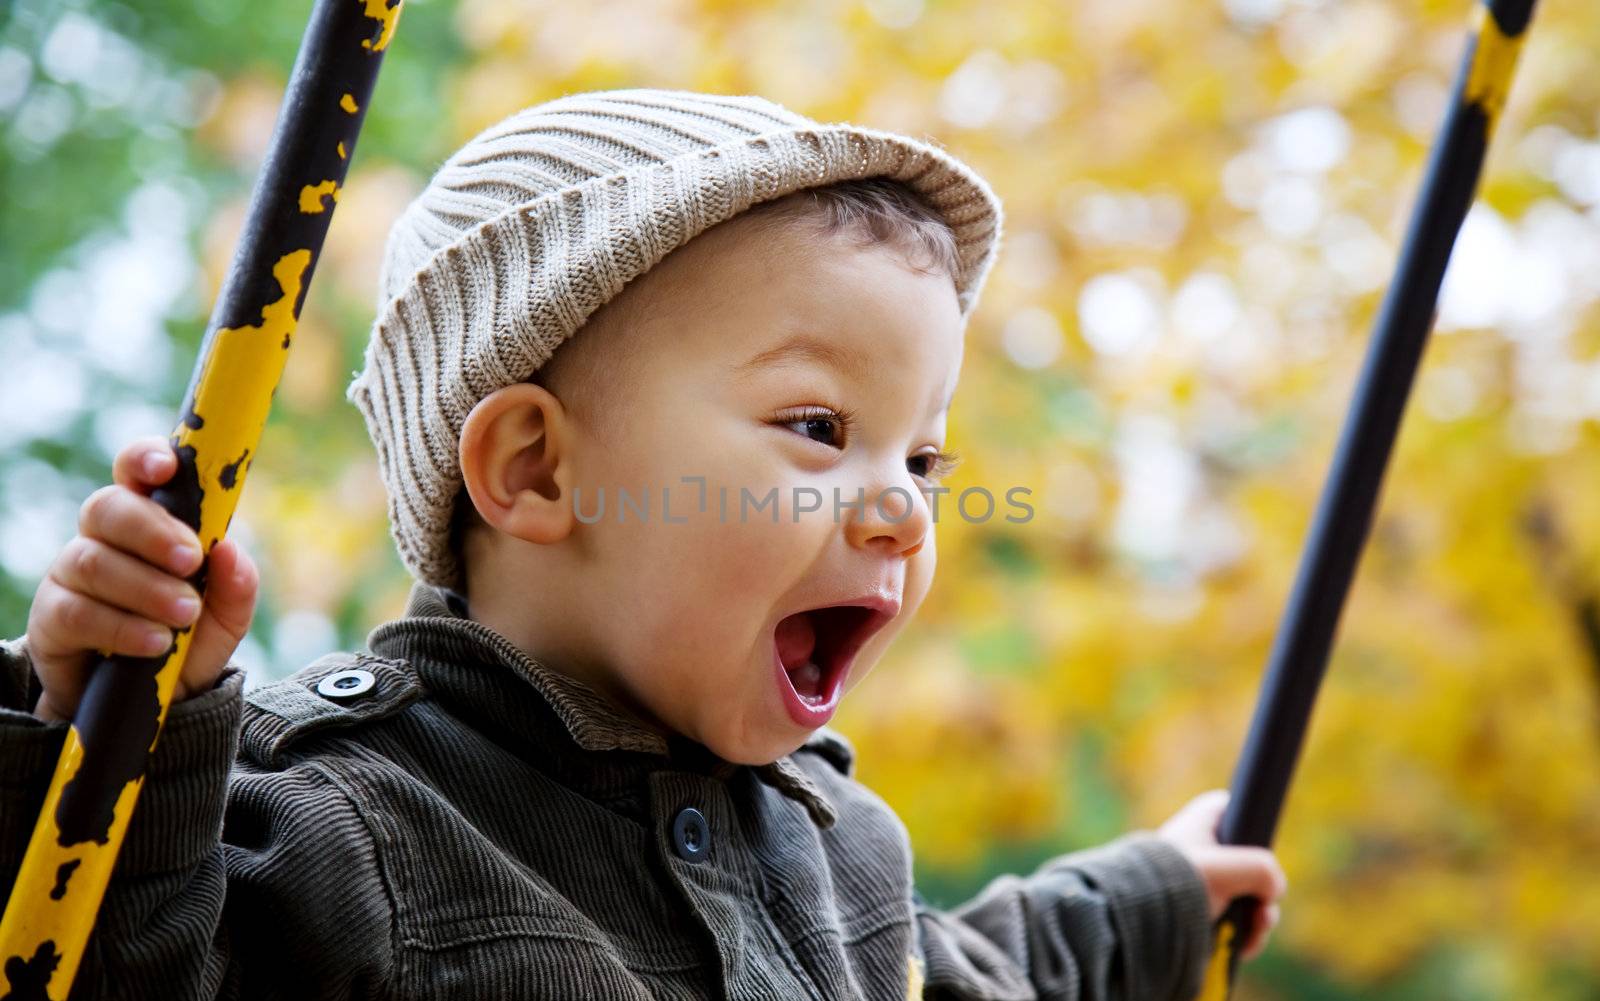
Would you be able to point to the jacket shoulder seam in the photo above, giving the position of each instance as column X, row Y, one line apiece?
column 379, row 855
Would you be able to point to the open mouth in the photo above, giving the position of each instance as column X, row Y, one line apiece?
column 815, row 649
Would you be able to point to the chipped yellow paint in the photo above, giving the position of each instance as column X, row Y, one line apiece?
column 234, row 394
column 379, row 10
column 66, row 922
column 1494, row 57
column 342, row 153
column 914, row 980
column 348, row 103
column 311, row 195
column 239, row 372
column 1216, row 986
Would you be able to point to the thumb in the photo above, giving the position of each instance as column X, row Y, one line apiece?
column 232, row 582
column 1198, row 819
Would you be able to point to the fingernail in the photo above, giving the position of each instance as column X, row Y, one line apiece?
column 154, row 639
column 154, row 462
column 184, row 558
column 185, row 608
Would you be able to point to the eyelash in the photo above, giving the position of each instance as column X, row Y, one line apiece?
column 944, row 463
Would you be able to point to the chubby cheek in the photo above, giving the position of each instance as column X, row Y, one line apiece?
column 700, row 595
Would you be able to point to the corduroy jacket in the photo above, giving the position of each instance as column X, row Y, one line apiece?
column 440, row 816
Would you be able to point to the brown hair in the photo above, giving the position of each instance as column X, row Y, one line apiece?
column 879, row 211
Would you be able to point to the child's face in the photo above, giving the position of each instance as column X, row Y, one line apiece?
column 682, row 609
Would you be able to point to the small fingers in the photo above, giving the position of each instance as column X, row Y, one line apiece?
column 1263, row 875
column 74, row 621
column 1233, row 871
column 1248, row 871
column 144, row 463
column 1266, row 919
column 101, row 571
column 1278, row 880
column 140, row 527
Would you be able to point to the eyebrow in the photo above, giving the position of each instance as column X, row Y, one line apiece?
column 810, row 347
column 803, row 347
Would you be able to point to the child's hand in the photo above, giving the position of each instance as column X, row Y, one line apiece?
column 116, row 587
column 1229, row 870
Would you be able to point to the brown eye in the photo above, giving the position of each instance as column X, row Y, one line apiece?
column 823, row 429
column 822, row 426
column 935, row 465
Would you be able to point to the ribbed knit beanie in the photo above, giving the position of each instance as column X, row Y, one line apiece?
column 540, row 219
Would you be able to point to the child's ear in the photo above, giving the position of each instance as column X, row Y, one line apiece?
column 515, row 464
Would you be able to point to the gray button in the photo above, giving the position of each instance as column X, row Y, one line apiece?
column 346, row 684
column 691, row 835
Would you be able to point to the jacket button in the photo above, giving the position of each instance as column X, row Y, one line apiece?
column 346, row 684
column 691, row 835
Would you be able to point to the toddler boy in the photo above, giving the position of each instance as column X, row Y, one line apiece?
column 658, row 386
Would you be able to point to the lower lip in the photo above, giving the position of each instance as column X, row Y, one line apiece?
column 807, row 714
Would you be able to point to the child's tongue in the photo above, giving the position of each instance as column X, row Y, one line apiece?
column 797, row 641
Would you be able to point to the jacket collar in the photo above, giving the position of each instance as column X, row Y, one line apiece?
column 434, row 625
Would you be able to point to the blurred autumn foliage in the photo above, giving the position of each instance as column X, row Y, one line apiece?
column 1203, row 203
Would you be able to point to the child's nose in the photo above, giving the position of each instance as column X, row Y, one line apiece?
column 894, row 517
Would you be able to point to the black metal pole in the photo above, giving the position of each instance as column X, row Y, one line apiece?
column 1344, row 512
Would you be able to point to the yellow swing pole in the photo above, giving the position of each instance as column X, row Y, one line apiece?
column 92, row 794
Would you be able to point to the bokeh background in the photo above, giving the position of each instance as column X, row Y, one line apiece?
column 1204, row 199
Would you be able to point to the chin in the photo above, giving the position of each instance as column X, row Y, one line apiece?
column 762, row 753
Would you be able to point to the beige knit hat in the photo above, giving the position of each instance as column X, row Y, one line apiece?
column 540, row 219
